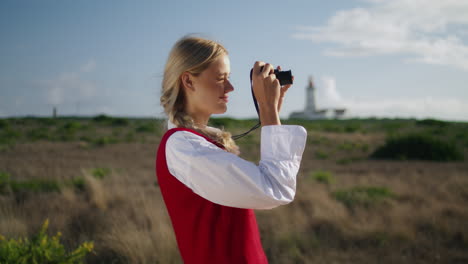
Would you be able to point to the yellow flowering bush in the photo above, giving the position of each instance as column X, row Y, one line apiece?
column 41, row 249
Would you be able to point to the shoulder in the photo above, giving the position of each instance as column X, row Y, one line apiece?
column 187, row 140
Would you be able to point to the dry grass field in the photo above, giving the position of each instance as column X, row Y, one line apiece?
column 94, row 179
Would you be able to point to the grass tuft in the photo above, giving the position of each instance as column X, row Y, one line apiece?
column 321, row 155
column 323, row 177
column 362, row 195
column 35, row 185
column 100, row 173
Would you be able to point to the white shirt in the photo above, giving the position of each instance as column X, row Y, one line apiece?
column 224, row 178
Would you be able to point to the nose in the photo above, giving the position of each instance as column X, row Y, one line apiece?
column 228, row 88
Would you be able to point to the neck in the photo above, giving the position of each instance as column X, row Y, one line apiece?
column 199, row 120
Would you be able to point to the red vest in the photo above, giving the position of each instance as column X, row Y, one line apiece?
column 207, row 232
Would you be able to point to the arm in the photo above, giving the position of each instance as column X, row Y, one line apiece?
column 224, row 178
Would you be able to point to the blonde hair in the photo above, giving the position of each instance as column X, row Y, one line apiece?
column 194, row 55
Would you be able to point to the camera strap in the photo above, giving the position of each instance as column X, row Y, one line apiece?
column 236, row 137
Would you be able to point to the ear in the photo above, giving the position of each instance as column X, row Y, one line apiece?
column 187, row 81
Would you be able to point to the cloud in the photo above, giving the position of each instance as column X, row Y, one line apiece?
column 447, row 108
column 424, row 107
column 89, row 66
column 328, row 94
column 70, row 87
column 429, row 31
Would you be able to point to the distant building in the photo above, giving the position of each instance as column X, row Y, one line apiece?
column 311, row 112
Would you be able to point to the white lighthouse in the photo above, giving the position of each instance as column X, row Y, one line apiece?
column 311, row 112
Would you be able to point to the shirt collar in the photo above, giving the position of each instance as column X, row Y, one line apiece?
column 171, row 125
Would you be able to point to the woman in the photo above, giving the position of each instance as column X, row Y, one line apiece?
column 208, row 190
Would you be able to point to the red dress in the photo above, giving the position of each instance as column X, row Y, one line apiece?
column 207, row 232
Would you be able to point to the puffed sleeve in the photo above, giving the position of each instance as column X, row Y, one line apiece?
column 224, row 178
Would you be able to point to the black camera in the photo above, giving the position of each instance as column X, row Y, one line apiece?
column 284, row 77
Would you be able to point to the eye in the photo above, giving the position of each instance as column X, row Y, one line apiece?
column 224, row 78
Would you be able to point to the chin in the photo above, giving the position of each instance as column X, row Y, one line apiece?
column 221, row 110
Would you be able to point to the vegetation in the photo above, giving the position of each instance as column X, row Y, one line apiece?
column 362, row 195
column 418, row 147
column 323, row 177
column 432, row 122
column 31, row 185
column 8, row 185
column 321, row 155
column 41, row 249
column 95, row 178
column 100, row 172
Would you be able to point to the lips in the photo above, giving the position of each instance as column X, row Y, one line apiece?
column 224, row 99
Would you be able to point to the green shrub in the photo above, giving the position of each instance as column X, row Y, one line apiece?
column 392, row 127
column 35, row 185
column 462, row 137
column 116, row 132
column 8, row 136
column 86, row 138
column 39, row 133
column 72, row 126
column 102, row 119
column 321, row 155
column 43, row 185
column 364, row 147
column 348, row 146
column 323, row 177
column 431, row 122
column 225, row 122
column 130, row 137
column 102, row 141
column 362, row 195
column 148, row 127
column 352, row 127
column 114, row 121
column 347, row 160
column 4, row 181
column 418, row 147
column 78, row 183
column 4, row 124
column 100, row 172
column 119, row 121
column 332, row 127
column 41, row 249
column 47, row 121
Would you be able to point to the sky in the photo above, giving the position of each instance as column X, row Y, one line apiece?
column 376, row 58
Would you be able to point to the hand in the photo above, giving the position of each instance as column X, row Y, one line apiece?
column 283, row 91
column 267, row 91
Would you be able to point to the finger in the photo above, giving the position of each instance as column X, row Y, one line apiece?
column 257, row 66
column 284, row 88
column 271, row 78
column 277, row 84
column 267, row 70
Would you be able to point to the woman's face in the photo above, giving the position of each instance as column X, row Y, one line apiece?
column 209, row 92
